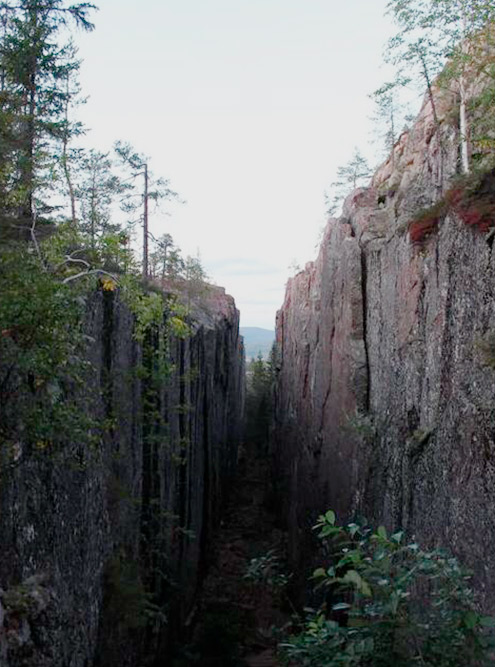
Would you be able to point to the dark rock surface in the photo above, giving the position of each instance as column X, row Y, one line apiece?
column 386, row 387
column 88, row 532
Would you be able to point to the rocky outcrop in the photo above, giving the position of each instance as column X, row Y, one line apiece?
column 386, row 383
column 104, row 543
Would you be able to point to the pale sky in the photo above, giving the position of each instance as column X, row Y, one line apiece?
column 248, row 107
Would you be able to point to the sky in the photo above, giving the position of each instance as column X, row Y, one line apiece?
column 248, row 107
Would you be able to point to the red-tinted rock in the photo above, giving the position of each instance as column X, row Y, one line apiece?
column 386, row 388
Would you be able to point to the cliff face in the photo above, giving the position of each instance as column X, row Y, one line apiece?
column 386, row 389
column 103, row 545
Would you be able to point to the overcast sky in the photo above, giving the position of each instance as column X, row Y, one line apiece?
column 248, row 107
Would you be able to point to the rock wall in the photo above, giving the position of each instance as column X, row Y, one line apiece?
column 386, row 383
column 103, row 545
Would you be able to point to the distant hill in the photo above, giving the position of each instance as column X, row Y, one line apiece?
column 257, row 341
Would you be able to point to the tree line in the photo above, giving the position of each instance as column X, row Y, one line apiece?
column 98, row 198
column 68, row 218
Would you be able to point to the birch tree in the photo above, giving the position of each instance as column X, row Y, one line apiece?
column 436, row 35
column 390, row 114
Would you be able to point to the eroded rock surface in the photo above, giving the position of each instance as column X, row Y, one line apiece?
column 88, row 531
column 386, row 387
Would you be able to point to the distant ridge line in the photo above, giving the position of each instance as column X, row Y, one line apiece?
column 257, row 341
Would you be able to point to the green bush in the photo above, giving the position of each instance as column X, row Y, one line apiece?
column 42, row 353
column 267, row 570
column 389, row 603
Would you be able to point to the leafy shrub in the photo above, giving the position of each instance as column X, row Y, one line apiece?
column 42, row 358
column 388, row 604
column 267, row 570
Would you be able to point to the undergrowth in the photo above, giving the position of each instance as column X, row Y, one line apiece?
column 389, row 603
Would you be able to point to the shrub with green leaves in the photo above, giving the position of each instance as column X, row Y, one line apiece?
column 42, row 357
column 389, row 603
column 268, row 570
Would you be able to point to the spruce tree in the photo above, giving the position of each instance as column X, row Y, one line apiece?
column 35, row 69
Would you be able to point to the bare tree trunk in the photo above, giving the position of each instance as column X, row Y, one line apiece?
column 27, row 171
column 93, row 211
column 2, row 70
column 463, row 128
column 435, row 118
column 145, row 225
column 65, row 159
column 392, row 131
column 463, row 122
column 164, row 265
column 26, row 209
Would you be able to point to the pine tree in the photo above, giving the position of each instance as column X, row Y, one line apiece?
column 34, row 72
column 353, row 174
column 96, row 190
column 154, row 190
column 162, row 256
column 259, row 402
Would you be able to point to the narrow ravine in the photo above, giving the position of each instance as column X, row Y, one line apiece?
column 235, row 618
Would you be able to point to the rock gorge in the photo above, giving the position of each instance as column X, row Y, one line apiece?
column 386, row 387
column 104, row 547
column 384, row 407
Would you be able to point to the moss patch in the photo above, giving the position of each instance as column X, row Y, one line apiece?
column 471, row 198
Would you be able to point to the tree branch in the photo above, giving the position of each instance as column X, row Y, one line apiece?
column 35, row 240
column 92, row 272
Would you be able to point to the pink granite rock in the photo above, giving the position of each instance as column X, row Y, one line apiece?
column 385, row 401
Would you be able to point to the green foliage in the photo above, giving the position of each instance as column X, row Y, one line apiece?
column 356, row 173
column 127, row 599
column 148, row 309
column 389, row 603
column 35, row 71
column 27, row 598
column 165, row 259
column 69, row 252
column 97, row 187
column 258, row 401
column 41, row 350
column 267, row 570
column 361, row 424
column 448, row 44
column 42, row 342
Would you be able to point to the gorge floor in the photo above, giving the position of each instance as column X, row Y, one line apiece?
column 236, row 617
